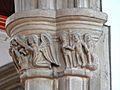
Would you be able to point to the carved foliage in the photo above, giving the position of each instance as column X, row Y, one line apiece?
column 33, row 51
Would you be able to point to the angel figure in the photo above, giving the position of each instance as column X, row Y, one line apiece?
column 19, row 53
column 79, row 46
column 32, row 48
column 91, row 56
column 27, row 51
column 46, row 53
column 14, row 53
column 67, row 50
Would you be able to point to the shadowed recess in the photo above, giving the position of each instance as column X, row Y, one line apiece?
column 6, row 7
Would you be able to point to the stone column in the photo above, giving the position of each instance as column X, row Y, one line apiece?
column 58, row 44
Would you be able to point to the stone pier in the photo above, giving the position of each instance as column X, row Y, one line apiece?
column 60, row 44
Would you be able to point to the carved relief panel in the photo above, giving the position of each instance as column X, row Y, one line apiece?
column 33, row 51
column 75, row 48
column 78, row 49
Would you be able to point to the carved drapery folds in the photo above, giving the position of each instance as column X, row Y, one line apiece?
column 78, row 50
column 38, row 51
column 33, row 51
column 63, row 56
column 57, row 44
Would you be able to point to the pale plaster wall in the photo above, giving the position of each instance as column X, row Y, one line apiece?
column 4, row 47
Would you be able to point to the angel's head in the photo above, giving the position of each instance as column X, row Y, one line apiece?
column 13, row 43
column 76, row 37
column 87, row 37
column 63, row 37
column 32, row 40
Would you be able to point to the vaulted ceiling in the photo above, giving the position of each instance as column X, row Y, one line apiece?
column 6, row 7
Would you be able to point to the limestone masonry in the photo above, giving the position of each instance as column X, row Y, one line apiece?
column 60, row 44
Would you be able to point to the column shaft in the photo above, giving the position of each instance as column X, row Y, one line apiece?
column 58, row 44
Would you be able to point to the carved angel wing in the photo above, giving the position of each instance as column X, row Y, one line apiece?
column 47, row 49
column 91, row 39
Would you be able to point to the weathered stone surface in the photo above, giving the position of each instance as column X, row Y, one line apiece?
column 39, row 84
column 9, row 78
column 21, row 5
column 60, row 44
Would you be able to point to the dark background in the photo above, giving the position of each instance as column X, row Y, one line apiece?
column 6, row 7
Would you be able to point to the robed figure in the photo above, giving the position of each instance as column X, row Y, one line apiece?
column 46, row 55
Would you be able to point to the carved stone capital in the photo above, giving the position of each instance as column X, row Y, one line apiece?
column 58, row 44
column 78, row 50
column 33, row 51
column 35, row 54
